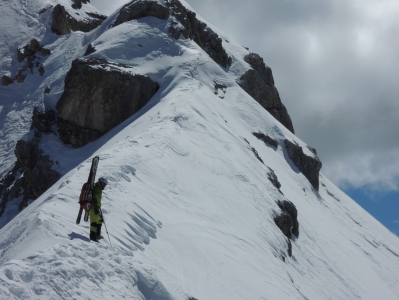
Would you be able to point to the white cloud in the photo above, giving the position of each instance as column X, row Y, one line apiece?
column 378, row 172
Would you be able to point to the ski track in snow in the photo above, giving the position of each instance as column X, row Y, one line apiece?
column 188, row 208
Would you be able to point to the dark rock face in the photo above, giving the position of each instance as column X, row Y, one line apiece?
column 257, row 155
column 43, row 10
column 258, row 82
column 21, row 55
column 289, row 250
column 219, row 89
column 33, row 172
column 76, row 135
column 266, row 139
column 78, row 3
column 38, row 174
column 41, row 70
column 6, row 80
column 139, row 9
column 193, row 29
column 28, row 52
column 198, row 31
column 98, row 96
column 34, row 46
column 63, row 23
column 273, row 179
column 96, row 16
column 43, row 121
column 309, row 166
column 20, row 77
column 287, row 221
column 90, row 49
column 45, row 52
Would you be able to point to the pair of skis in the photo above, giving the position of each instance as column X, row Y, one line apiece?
column 86, row 193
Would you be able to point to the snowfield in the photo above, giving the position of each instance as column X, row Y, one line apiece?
column 189, row 208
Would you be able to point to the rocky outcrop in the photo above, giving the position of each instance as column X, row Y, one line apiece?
column 219, row 90
column 258, row 82
column 43, row 122
column 45, row 52
column 287, row 221
column 30, row 51
column 139, row 9
column 20, row 76
column 31, row 176
column 43, row 10
column 99, row 95
column 77, row 136
column 254, row 151
column 266, row 139
column 78, row 3
column 30, row 54
column 70, row 133
column 198, row 31
column 90, row 49
column 63, row 23
column 36, row 167
column 6, row 80
column 273, row 179
column 33, row 172
column 257, row 155
column 187, row 26
column 41, row 70
column 309, row 166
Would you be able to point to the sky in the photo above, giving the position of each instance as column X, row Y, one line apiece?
column 335, row 65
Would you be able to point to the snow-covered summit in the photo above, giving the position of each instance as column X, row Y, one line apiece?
column 189, row 207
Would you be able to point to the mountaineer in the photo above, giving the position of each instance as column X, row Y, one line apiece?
column 96, row 217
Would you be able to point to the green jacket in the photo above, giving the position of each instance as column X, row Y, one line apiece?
column 97, row 194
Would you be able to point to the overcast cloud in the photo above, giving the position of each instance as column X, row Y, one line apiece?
column 336, row 66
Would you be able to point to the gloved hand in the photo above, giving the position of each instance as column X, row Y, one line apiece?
column 96, row 210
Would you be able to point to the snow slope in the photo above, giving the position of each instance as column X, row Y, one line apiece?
column 189, row 208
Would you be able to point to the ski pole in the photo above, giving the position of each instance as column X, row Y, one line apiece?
column 105, row 226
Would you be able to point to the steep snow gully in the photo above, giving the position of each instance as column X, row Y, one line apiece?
column 198, row 177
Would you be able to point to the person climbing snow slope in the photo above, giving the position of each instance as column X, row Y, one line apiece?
column 96, row 218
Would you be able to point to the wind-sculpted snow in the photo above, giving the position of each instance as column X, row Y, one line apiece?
column 80, row 271
column 137, row 9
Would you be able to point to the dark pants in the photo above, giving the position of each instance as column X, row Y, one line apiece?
column 96, row 222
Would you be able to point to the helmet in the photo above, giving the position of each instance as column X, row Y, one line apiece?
column 103, row 180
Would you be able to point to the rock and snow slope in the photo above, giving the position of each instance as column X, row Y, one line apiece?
column 189, row 207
